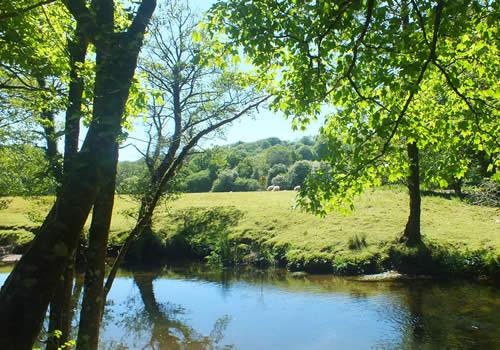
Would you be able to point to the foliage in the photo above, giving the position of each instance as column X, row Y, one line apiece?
column 245, row 185
column 305, row 152
column 281, row 181
column 275, row 170
column 392, row 73
column 278, row 154
column 206, row 233
column 357, row 242
column 298, row 172
column 24, row 171
column 198, row 182
column 487, row 193
column 131, row 177
column 224, row 182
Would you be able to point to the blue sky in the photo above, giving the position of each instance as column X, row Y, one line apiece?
column 262, row 125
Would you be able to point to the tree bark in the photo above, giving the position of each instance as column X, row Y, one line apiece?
column 78, row 51
column 27, row 291
column 412, row 234
column 60, row 308
column 93, row 297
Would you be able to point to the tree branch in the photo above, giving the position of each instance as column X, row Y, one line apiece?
column 141, row 20
column 86, row 20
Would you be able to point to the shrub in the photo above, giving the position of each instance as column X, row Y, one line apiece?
column 275, row 170
column 281, row 181
column 198, row 182
column 245, row 185
column 487, row 194
column 224, row 182
column 298, row 172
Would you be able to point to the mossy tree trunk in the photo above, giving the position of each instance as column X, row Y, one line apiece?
column 26, row 293
column 60, row 305
column 93, row 294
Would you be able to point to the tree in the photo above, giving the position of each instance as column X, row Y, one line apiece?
column 370, row 62
column 305, row 152
column 298, row 172
column 278, row 154
column 189, row 99
column 281, row 180
column 224, row 182
column 198, row 182
column 276, row 169
column 245, row 185
column 28, row 289
column 23, row 172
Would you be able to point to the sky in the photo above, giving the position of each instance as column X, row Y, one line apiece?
column 251, row 128
column 261, row 125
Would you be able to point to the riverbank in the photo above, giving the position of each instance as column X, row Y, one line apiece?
column 261, row 228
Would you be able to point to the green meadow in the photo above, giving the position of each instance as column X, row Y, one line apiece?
column 269, row 221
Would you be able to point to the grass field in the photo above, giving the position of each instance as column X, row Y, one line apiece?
column 268, row 218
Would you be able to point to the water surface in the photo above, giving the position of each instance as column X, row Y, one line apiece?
column 198, row 308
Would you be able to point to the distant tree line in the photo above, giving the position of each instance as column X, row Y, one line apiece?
column 253, row 166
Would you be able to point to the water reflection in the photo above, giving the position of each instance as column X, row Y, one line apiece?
column 200, row 308
column 150, row 324
column 446, row 315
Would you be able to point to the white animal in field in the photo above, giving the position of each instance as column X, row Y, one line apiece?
column 276, row 188
column 296, row 188
column 270, row 188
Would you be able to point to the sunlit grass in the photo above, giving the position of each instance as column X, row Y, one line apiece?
column 380, row 216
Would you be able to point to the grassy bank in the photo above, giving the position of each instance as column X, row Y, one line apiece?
column 262, row 228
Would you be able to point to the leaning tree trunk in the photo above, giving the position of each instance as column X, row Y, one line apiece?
column 93, row 293
column 28, row 289
column 25, row 295
column 411, row 235
column 60, row 305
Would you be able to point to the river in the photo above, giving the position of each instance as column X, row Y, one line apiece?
column 199, row 308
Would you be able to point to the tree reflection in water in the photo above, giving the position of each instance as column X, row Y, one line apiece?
column 162, row 321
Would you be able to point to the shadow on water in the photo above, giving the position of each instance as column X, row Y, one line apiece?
column 201, row 308
column 158, row 325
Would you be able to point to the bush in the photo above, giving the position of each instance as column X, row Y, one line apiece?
column 281, row 181
column 224, row 182
column 245, row 185
column 198, row 182
column 278, row 154
column 276, row 169
column 298, row 172
column 305, row 152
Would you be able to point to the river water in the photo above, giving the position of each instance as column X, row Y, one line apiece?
column 199, row 308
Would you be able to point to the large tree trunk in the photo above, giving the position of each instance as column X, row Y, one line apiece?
column 412, row 235
column 93, row 297
column 26, row 293
column 78, row 51
column 60, row 308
